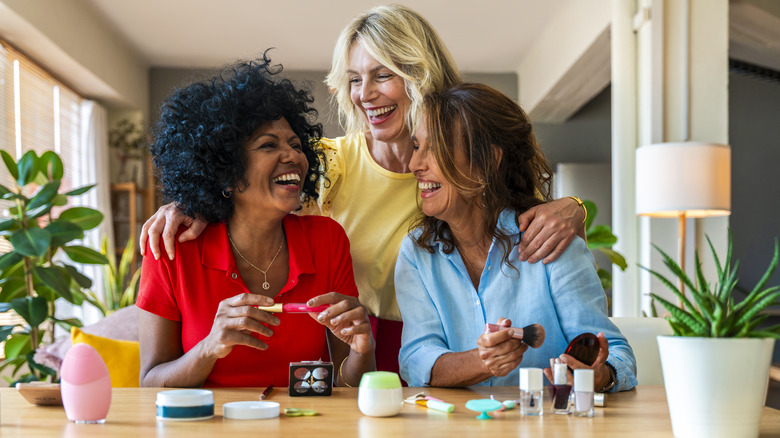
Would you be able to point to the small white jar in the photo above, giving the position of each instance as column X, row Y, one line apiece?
column 380, row 394
column 185, row 405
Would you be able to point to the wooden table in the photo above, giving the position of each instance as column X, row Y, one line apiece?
column 638, row 413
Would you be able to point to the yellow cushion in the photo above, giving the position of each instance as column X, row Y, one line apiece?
column 121, row 357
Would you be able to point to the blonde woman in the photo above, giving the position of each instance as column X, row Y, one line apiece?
column 385, row 61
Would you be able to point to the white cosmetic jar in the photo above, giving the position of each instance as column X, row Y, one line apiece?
column 185, row 405
column 380, row 394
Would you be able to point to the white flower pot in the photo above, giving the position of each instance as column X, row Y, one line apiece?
column 715, row 387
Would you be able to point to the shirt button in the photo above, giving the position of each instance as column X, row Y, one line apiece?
column 488, row 267
column 234, row 276
column 476, row 303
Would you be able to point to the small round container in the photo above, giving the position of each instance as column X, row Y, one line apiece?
column 185, row 405
column 380, row 394
column 250, row 410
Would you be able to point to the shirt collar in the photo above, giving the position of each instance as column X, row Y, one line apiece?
column 506, row 222
column 217, row 253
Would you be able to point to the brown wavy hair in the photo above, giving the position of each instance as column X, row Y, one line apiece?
column 507, row 167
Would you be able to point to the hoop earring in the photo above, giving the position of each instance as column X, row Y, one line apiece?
column 227, row 194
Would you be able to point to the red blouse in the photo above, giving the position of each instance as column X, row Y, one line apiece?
column 190, row 287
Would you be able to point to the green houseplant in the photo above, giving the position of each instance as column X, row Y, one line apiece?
column 716, row 366
column 600, row 238
column 121, row 284
column 39, row 269
column 715, row 314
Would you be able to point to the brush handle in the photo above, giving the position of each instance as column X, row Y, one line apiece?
column 492, row 328
column 293, row 308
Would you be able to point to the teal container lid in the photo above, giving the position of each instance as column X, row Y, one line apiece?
column 380, row 380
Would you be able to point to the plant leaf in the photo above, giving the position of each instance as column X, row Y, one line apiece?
column 50, row 165
column 18, row 344
column 80, row 279
column 56, row 278
column 131, row 292
column 80, row 190
column 63, row 232
column 615, row 257
column 44, row 195
column 34, row 310
column 758, row 307
column 606, row 278
column 682, row 317
column 12, row 287
column 769, row 271
column 600, row 236
column 676, row 270
column 5, row 331
column 81, row 254
column 39, row 211
column 10, row 164
column 28, row 167
column 68, row 323
column 86, row 218
column 592, row 210
column 6, row 224
column 680, row 296
column 43, row 370
column 32, row 242
column 9, row 259
column 60, row 200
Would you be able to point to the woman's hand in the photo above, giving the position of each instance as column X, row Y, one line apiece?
column 165, row 222
column 600, row 370
column 236, row 319
column 347, row 319
column 499, row 351
column 549, row 229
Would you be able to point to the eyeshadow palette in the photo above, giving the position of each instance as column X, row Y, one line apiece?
column 311, row 378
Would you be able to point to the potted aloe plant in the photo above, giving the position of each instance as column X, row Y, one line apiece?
column 716, row 366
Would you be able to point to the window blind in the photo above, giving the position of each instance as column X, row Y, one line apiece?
column 37, row 112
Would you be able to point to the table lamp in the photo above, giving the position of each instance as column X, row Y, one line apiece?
column 683, row 180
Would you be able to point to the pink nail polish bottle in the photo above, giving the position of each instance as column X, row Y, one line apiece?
column 85, row 385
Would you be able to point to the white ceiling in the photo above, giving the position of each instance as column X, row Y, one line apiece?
column 483, row 36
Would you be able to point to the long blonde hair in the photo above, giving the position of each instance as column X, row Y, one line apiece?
column 403, row 41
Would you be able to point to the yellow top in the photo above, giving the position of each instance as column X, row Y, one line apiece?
column 375, row 207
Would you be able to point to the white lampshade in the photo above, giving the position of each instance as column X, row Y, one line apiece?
column 687, row 178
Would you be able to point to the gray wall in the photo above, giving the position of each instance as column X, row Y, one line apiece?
column 585, row 138
column 754, row 134
column 163, row 81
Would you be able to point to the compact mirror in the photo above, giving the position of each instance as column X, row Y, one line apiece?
column 584, row 348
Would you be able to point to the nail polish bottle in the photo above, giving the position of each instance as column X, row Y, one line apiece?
column 531, row 391
column 583, row 393
column 560, row 389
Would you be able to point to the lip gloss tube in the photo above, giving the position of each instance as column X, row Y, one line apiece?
column 293, row 308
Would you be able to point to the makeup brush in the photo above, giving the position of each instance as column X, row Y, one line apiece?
column 533, row 334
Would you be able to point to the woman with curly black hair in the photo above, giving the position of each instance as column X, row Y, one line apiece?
column 239, row 151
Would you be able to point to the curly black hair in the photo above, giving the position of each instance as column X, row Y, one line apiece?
column 199, row 140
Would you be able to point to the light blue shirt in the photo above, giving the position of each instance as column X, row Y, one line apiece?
column 443, row 313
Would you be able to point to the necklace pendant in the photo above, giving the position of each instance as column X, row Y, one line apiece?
column 266, row 286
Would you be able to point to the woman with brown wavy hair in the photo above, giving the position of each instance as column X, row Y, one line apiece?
column 478, row 167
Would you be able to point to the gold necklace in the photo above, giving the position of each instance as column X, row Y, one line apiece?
column 266, row 285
